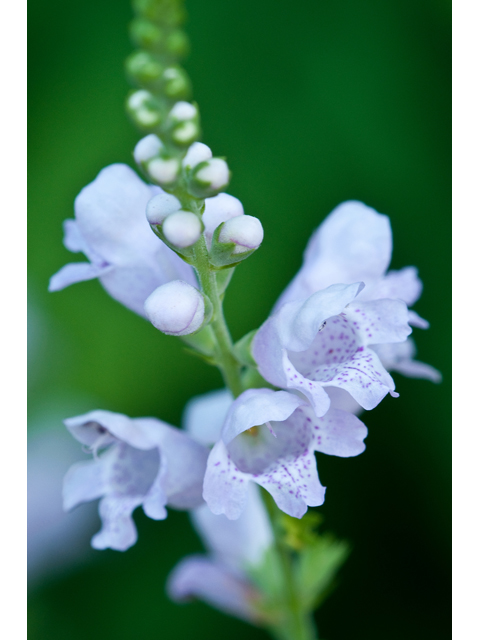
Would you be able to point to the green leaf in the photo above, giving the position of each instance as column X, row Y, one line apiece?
column 243, row 349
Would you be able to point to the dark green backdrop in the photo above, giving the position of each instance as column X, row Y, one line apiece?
column 313, row 102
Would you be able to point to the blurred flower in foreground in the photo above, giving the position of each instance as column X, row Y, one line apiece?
column 55, row 540
column 221, row 578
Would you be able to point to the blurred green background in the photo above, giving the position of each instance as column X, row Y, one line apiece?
column 313, row 103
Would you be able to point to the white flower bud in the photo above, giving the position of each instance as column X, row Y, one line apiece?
column 245, row 231
column 182, row 229
column 147, row 148
column 183, row 111
column 198, row 152
column 161, row 206
column 163, row 170
column 176, row 308
column 214, row 174
column 217, row 210
column 185, row 132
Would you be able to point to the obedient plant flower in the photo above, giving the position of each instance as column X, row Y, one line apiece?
column 235, row 547
column 111, row 230
column 146, row 462
column 269, row 438
column 354, row 243
column 176, row 308
column 323, row 341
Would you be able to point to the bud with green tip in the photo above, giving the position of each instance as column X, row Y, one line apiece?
column 182, row 229
column 183, row 120
column 146, row 34
column 176, row 83
column 208, row 178
column 144, row 109
column 198, row 152
column 177, row 308
column 163, row 170
column 144, row 68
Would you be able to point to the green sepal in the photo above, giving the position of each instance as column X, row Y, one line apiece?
column 251, row 379
column 202, row 342
column 318, row 565
column 221, row 254
column 199, row 188
column 243, row 349
column 223, row 278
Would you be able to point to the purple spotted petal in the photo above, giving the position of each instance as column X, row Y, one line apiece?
column 224, row 487
column 284, row 465
column 338, row 433
column 214, row 583
column 294, row 485
column 354, row 243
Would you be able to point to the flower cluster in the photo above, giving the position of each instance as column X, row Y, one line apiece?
column 324, row 354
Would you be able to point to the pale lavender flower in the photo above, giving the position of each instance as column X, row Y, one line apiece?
column 221, row 578
column 354, row 243
column 146, row 462
column 111, row 229
column 323, row 341
column 269, row 438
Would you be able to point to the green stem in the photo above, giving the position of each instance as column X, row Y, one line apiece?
column 229, row 365
column 298, row 624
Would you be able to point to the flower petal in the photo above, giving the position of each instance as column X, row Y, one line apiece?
column 200, row 577
column 118, row 529
column 400, row 357
column 403, row 284
column 338, row 433
column 224, row 487
column 84, row 481
column 353, row 243
column 77, row 272
column 256, row 407
column 236, row 543
column 294, row 484
column 204, row 415
column 184, row 463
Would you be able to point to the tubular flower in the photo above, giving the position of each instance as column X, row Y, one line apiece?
column 221, row 578
column 111, row 229
column 269, row 438
column 143, row 462
column 323, row 341
column 354, row 243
